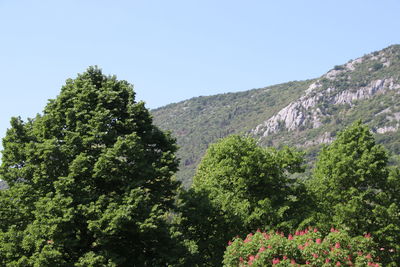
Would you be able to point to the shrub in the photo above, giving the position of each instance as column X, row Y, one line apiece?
column 307, row 247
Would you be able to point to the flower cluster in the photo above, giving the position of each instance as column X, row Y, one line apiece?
column 307, row 247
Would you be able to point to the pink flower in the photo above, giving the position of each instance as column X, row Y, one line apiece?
column 269, row 246
column 285, row 257
column 248, row 238
column 292, row 261
column 338, row 264
column 229, row 243
column 261, row 249
column 300, row 247
column 307, row 262
column 240, row 259
column 251, row 259
column 337, row 245
column 368, row 235
column 368, row 256
column 290, row 237
column 315, row 230
column 276, row 261
column 318, row 241
column 315, row 255
column 382, row 249
column 327, row 260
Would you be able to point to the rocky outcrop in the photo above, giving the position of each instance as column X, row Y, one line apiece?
column 305, row 111
column 377, row 86
column 387, row 129
column 292, row 116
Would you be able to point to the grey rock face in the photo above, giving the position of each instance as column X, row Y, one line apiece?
column 305, row 110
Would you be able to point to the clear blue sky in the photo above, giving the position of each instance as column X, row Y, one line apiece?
column 174, row 50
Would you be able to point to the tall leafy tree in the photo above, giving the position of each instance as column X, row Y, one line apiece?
column 355, row 189
column 239, row 187
column 90, row 181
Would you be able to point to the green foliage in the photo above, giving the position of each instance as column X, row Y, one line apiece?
column 90, row 181
column 240, row 186
column 247, row 181
column 352, row 161
column 354, row 191
column 308, row 247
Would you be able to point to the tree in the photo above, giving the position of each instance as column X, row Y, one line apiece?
column 240, row 186
column 354, row 189
column 90, row 181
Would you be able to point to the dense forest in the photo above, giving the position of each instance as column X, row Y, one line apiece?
column 91, row 182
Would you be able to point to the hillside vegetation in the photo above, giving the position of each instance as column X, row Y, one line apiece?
column 305, row 114
column 91, row 183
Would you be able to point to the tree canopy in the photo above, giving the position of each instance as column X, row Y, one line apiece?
column 240, row 186
column 90, row 181
column 356, row 190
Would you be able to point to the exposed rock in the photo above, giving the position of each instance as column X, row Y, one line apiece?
column 351, row 65
column 348, row 96
column 387, row 129
column 313, row 86
column 333, row 73
column 304, row 111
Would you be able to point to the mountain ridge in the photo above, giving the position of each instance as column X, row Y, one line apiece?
column 299, row 113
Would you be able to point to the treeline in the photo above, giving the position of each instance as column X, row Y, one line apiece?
column 91, row 183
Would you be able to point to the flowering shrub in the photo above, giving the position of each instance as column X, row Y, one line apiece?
column 308, row 247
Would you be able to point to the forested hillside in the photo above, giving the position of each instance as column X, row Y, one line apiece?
column 200, row 121
column 300, row 113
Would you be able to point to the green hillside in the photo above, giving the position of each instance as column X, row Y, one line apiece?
column 300, row 113
column 199, row 121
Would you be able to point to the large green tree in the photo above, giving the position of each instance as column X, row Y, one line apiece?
column 240, row 186
column 355, row 189
column 90, row 181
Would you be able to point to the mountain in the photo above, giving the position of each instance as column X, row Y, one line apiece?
column 304, row 114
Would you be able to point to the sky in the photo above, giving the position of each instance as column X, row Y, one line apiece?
column 174, row 50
